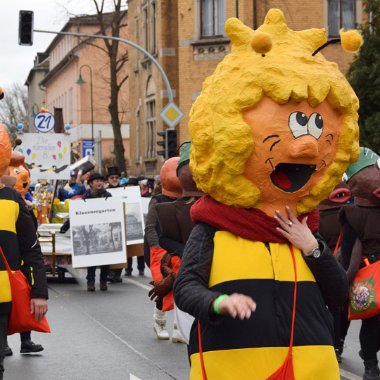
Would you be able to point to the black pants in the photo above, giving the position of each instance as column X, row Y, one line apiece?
column 370, row 337
column 103, row 273
column 3, row 340
column 140, row 263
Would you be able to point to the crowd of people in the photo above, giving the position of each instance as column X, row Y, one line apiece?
column 249, row 236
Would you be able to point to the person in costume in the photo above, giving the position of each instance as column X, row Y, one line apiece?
column 18, row 240
column 330, row 229
column 153, row 252
column 18, row 170
column 175, row 225
column 272, row 133
column 361, row 240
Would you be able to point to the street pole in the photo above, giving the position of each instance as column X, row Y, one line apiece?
column 80, row 82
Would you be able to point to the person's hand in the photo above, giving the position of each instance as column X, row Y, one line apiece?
column 161, row 288
column 165, row 265
column 237, row 305
column 38, row 307
column 299, row 234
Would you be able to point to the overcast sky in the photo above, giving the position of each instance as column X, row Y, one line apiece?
column 16, row 61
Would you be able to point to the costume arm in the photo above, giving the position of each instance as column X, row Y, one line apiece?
column 329, row 275
column 191, row 292
column 151, row 225
column 172, row 246
column 33, row 268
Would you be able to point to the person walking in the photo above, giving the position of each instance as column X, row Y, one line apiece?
column 153, row 252
column 18, row 240
column 361, row 241
column 96, row 190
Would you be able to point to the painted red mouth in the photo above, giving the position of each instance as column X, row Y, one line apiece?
column 291, row 177
column 340, row 195
column 376, row 192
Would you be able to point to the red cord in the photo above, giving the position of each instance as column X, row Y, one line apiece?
column 204, row 376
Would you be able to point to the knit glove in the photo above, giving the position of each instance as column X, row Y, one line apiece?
column 161, row 288
column 165, row 265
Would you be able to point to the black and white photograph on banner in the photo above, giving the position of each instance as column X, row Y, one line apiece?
column 97, row 238
column 97, row 232
column 133, row 212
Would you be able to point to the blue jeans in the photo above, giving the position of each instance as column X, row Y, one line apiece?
column 103, row 273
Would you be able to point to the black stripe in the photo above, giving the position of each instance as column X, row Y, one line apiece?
column 270, row 325
column 5, row 307
column 9, row 194
column 10, row 246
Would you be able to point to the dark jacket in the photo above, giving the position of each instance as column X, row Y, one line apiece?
column 213, row 264
column 18, row 239
column 102, row 193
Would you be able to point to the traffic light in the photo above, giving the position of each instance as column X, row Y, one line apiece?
column 25, row 28
column 171, row 143
column 162, row 144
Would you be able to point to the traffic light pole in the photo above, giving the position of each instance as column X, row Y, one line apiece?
column 138, row 47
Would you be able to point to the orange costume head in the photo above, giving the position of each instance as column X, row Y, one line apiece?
column 5, row 150
column 274, row 125
column 19, row 170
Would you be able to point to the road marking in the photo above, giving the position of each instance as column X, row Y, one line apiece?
column 133, row 377
column 134, row 282
column 349, row 375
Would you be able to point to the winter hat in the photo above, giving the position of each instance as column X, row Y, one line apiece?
column 171, row 186
column 184, row 155
column 367, row 158
column 95, row 175
column 113, row 170
column 132, row 181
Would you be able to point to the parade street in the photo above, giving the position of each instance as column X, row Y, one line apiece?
column 108, row 335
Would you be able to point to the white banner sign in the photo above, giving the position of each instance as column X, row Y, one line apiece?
column 46, row 154
column 133, row 212
column 97, row 232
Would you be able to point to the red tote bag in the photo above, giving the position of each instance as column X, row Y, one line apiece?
column 20, row 318
column 365, row 293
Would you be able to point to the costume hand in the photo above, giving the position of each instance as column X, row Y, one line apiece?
column 165, row 266
column 38, row 307
column 299, row 234
column 237, row 305
column 161, row 288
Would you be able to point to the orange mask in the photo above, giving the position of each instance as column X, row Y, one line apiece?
column 18, row 169
column 5, row 150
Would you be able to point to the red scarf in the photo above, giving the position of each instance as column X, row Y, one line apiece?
column 252, row 224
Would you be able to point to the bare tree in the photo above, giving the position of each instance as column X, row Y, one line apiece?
column 13, row 107
column 111, row 19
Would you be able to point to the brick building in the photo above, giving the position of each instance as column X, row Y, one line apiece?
column 187, row 37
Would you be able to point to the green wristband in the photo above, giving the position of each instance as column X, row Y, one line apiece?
column 218, row 301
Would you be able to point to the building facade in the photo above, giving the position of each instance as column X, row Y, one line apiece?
column 85, row 102
column 187, row 37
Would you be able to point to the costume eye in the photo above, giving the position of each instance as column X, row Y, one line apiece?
column 16, row 171
column 315, row 125
column 297, row 123
column 378, row 163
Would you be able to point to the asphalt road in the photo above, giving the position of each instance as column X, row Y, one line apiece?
column 108, row 335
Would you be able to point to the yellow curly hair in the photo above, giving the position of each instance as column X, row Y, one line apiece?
column 272, row 61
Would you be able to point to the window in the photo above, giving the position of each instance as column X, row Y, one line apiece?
column 71, row 105
column 152, row 27
column 212, row 18
column 341, row 14
column 145, row 28
column 150, row 128
column 138, row 136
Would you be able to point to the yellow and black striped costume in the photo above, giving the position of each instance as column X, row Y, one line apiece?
column 19, row 242
column 218, row 262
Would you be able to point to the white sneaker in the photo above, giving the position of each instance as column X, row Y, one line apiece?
column 177, row 336
column 159, row 327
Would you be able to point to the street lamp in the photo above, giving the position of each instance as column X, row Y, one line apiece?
column 81, row 82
